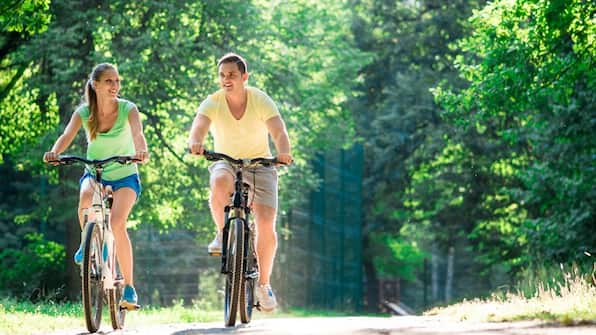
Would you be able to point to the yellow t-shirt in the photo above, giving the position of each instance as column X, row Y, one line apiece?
column 244, row 138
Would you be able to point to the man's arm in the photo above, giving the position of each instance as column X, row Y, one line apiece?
column 279, row 134
column 198, row 131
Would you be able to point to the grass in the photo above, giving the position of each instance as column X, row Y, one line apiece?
column 26, row 318
column 571, row 301
column 20, row 318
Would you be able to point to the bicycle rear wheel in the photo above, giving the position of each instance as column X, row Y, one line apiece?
column 235, row 275
column 117, row 314
column 247, row 292
column 92, row 277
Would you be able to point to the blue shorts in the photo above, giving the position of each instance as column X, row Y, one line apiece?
column 131, row 181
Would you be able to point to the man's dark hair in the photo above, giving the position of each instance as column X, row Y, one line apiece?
column 234, row 58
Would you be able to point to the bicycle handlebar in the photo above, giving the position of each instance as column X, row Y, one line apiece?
column 216, row 156
column 67, row 160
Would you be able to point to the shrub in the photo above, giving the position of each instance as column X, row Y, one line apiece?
column 35, row 271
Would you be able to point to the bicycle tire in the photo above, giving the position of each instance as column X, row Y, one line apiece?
column 235, row 275
column 92, row 290
column 247, row 295
column 117, row 314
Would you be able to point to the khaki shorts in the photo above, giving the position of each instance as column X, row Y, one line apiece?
column 262, row 181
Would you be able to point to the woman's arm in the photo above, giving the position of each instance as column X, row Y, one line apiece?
column 64, row 141
column 137, row 135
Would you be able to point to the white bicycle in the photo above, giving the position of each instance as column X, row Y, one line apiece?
column 101, row 277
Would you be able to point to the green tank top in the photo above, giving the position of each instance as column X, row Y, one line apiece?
column 115, row 142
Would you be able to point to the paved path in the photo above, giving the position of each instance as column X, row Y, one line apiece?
column 410, row 325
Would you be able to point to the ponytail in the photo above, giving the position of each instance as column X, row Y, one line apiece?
column 91, row 99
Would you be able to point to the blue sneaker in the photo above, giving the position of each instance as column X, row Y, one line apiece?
column 129, row 298
column 105, row 251
column 78, row 256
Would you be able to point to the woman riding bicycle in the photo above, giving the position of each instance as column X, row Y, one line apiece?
column 113, row 127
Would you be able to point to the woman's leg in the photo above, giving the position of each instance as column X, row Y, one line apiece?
column 124, row 200
column 85, row 199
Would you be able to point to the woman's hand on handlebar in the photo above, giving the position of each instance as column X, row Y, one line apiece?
column 142, row 156
column 196, row 148
column 51, row 157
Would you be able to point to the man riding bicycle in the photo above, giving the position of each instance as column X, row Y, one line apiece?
column 240, row 119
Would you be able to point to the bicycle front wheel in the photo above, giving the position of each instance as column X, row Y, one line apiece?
column 92, row 277
column 235, row 275
column 247, row 292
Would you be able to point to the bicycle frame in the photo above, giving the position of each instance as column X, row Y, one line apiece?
column 101, row 206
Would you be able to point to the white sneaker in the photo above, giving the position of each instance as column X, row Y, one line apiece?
column 214, row 248
column 266, row 298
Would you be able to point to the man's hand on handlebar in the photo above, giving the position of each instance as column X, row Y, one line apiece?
column 196, row 148
column 285, row 159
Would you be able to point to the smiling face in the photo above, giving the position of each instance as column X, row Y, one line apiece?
column 230, row 77
column 108, row 84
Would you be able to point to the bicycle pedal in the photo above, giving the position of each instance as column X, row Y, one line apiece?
column 218, row 254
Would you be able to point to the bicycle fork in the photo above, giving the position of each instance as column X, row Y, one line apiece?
column 224, row 254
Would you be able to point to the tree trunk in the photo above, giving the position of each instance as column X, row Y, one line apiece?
column 372, row 282
column 449, row 277
column 434, row 274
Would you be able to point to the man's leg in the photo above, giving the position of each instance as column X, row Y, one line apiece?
column 266, row 242
column 266, row 247
column 222, row 185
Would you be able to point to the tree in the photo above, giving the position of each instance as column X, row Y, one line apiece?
column 530, row 68
column 395, row 112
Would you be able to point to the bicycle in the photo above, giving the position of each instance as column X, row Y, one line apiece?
column 101, row 277
column 238, row 258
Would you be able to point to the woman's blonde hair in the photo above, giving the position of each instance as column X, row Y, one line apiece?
column 91, row 97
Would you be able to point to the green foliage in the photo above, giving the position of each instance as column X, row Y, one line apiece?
column 503, row 155
column 416, row 191
column 25, row 17
column 395, row 257
column 34, row 269
column 394, row 107
column 530, row 67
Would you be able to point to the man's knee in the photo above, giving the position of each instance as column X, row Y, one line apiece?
column 265, row 219
column 221, row 182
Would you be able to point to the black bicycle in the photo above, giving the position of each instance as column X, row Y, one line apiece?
column 238, row 257
column 101, row 277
